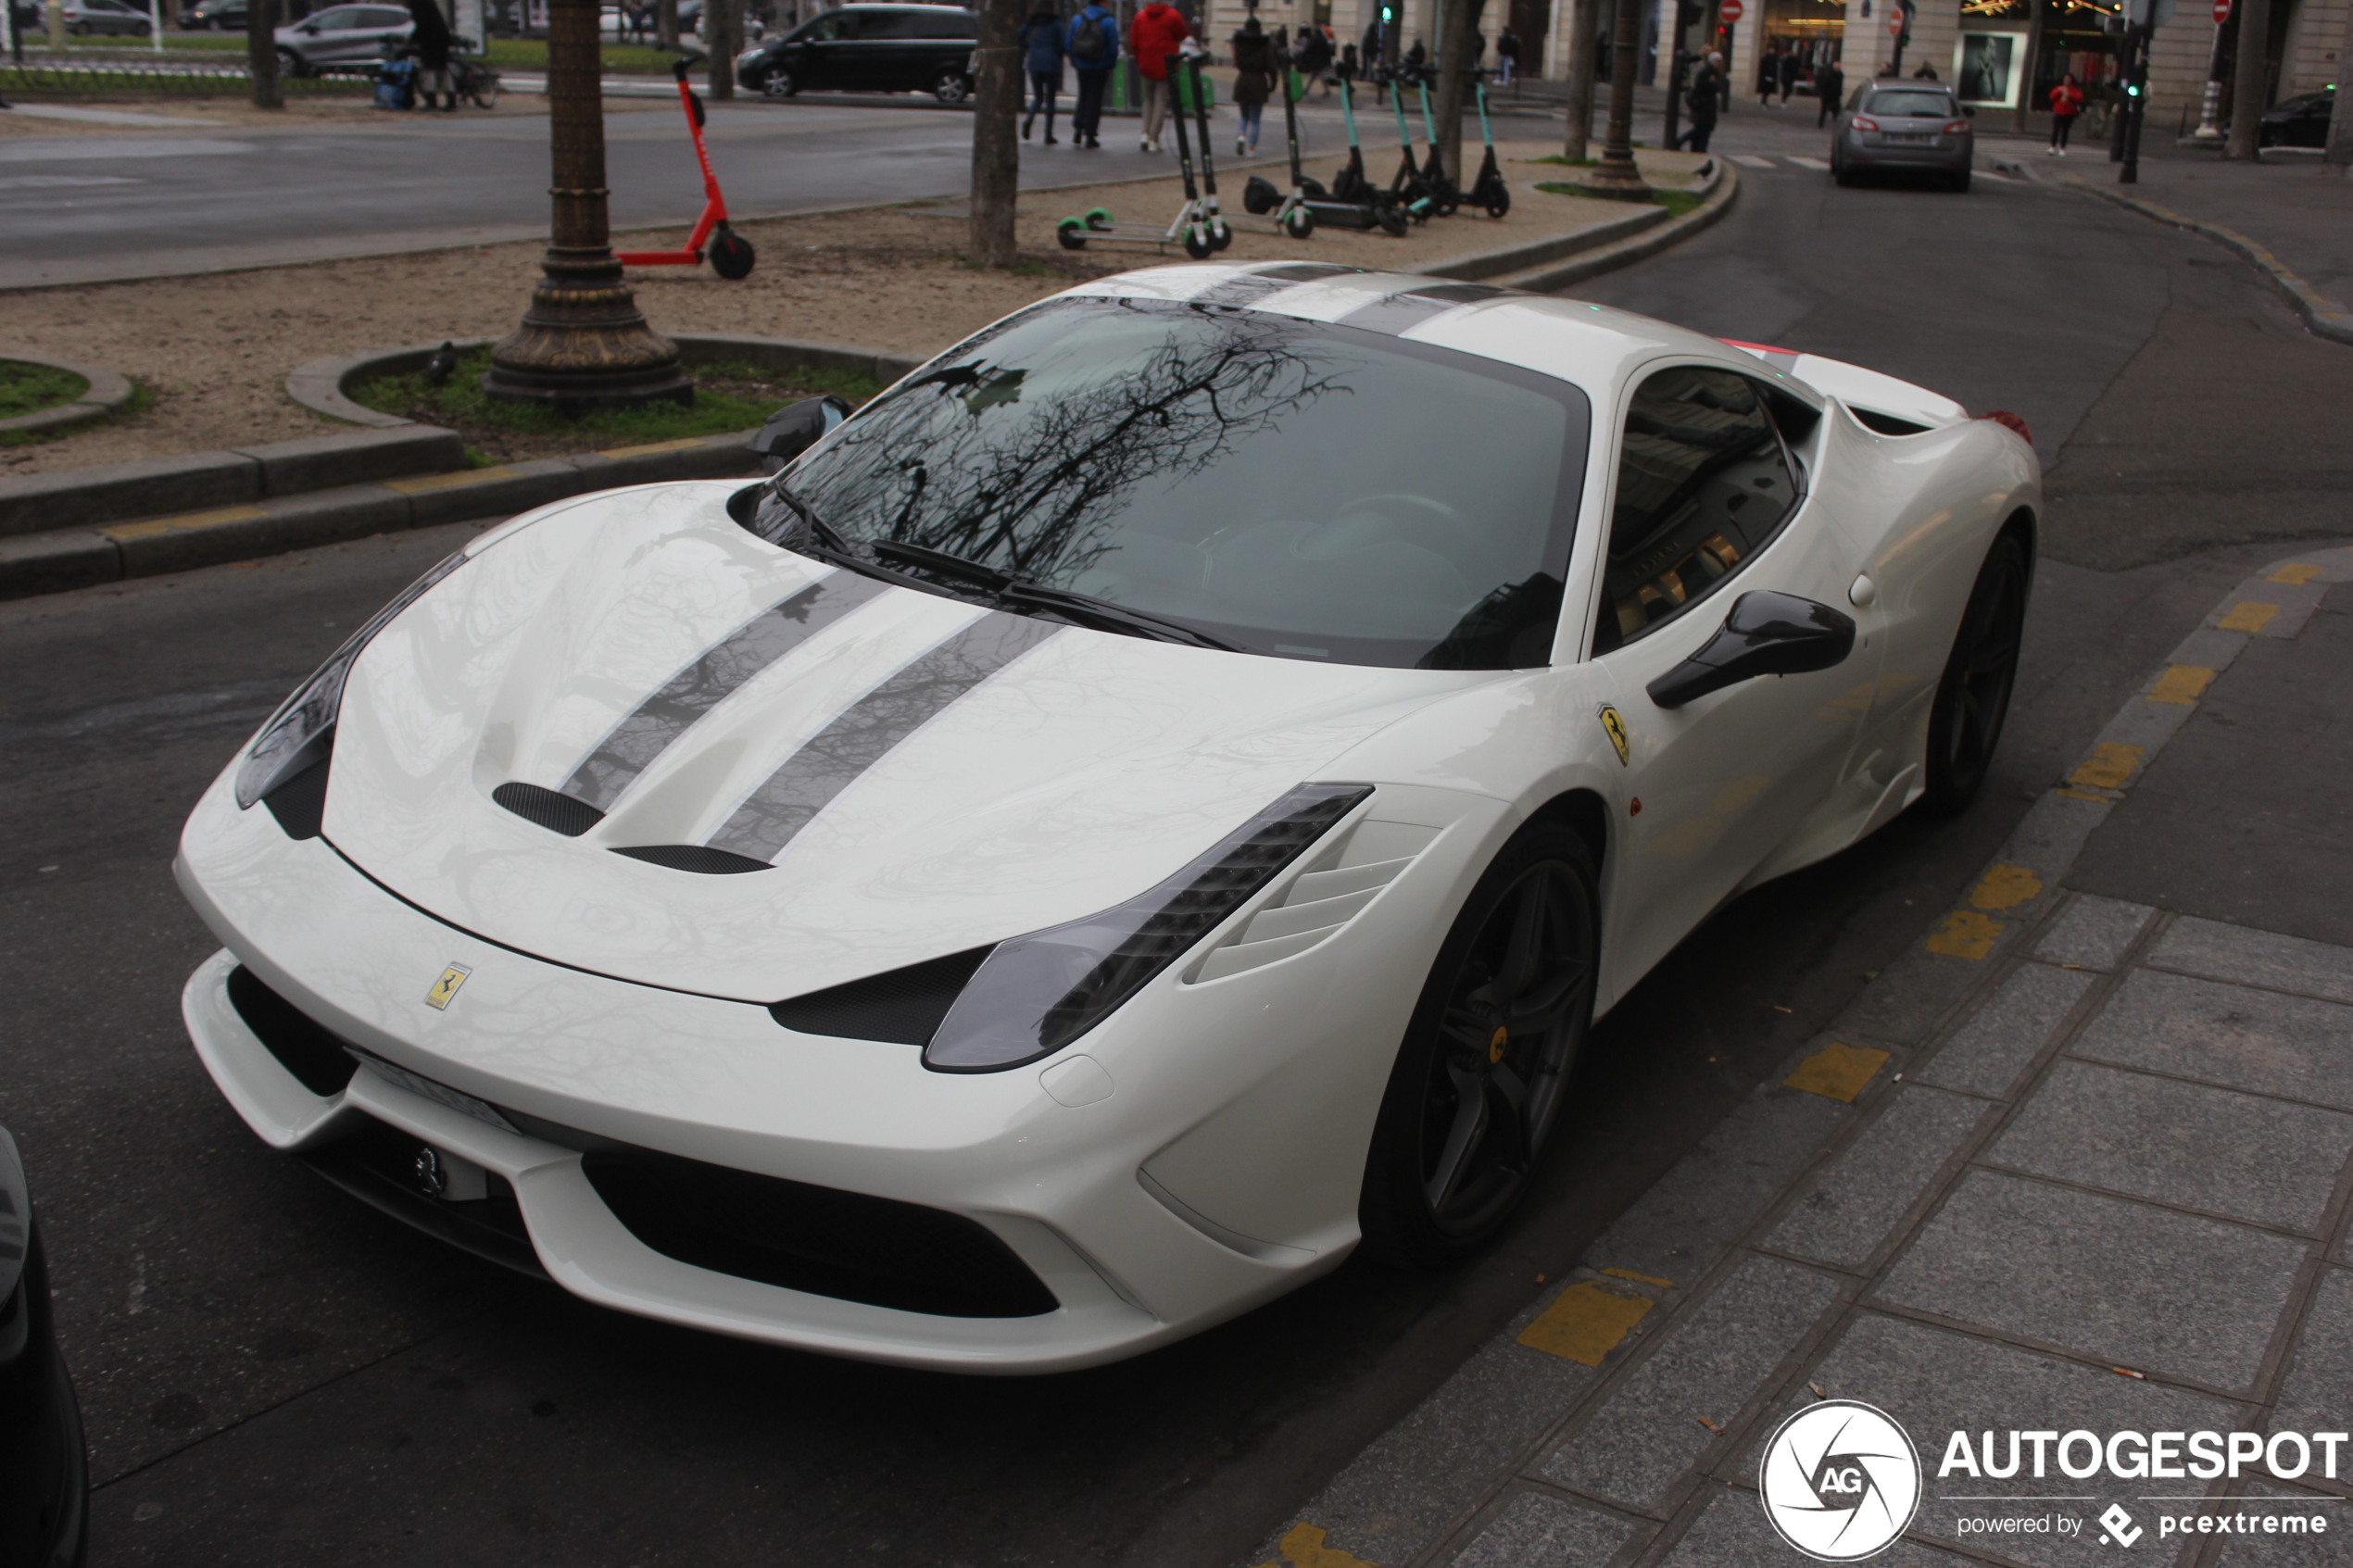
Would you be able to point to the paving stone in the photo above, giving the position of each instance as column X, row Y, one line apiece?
column 1911, row 996
column 2227, row 1153
column 2333, row 1548
column 1879, row 1176
column 1537, row 1530
column 1733, row 1532
column 2093, row 932
column 2227, row 1034
column 2127, row 1284
column 2220, row 951
column 1395, row 1498
column 1935, row 1382
column 1992, row 1047
column 2318, row 1395
column 1648, row 1433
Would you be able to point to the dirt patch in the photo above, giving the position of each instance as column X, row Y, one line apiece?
column 215, row 350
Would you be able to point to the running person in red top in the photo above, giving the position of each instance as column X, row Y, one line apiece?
column 1158, row 30
column 2066, row 101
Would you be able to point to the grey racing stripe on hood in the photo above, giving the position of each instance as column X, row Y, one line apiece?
column 866, row 731
column 1398, row 313
column 1250, row 287
column 634, row 744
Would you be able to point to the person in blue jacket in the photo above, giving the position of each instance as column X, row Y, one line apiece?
column 1092, row 40
column 1043, row 47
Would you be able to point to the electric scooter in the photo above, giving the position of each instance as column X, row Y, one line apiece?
column 1196, row 226
column 1350, row 185
column 1407, row 188
column 1443, row 198
column 1308, row 196
column 1487, row 191
column 730, row 252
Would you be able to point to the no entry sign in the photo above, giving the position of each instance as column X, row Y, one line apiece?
column 2221, row 12
column 1732, row 11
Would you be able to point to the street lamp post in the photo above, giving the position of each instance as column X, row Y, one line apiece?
column 1614, row 178
column 583, row 344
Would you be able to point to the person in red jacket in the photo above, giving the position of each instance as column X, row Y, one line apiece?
column 2066, row 101
column 1159, row 28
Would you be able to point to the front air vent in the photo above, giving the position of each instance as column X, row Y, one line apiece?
column 313, row 1053
column 300, row 804
column 1331, row 892
column 903, row 1007
column 701, row 858
column 1886, row 424
column 552, row 809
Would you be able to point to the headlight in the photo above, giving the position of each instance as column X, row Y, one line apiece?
column 1034, row 995
column 302, row 732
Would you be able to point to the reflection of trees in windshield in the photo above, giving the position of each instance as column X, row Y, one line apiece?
column 957, row 461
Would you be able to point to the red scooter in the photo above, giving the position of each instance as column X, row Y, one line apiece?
column 730, row 252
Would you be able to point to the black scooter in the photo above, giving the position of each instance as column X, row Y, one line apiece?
column 1351, row 183
column 1444, row 197
column 1407, row 188
column 1307, row 196
column 1487, row 192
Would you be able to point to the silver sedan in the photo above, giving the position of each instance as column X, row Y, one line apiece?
column 1892, row 125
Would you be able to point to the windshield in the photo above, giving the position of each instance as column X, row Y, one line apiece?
column 1290, row 489
column 1912, row 105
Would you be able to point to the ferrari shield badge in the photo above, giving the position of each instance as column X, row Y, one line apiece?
column 445, row 989
column 1617, row 729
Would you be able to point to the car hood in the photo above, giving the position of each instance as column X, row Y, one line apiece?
column 923, row 775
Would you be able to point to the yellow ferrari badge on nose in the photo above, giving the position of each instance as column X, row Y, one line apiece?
column 1617, row 729
column 445, row 988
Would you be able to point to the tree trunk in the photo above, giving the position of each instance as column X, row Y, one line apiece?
column 2339, row 150
column 2248, row 98
column 261, row 54
column 723, row 34
column 666, row 23
column 1579, row 65
column 1457, row 43
column 996, row 148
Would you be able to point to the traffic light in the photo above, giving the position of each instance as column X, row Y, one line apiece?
column 1388, row 13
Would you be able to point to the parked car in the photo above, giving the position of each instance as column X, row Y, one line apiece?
column 613, row 20
column 217, row 15
column 86, row 17
column 45, row 1469
column 2301, row 121
column 342, row 35
column 1911, row 127
column 869, row 49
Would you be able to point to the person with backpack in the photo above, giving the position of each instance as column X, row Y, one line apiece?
column 1092, row 42
column 1157, row 30
column 1041, row 42
column 432, row 41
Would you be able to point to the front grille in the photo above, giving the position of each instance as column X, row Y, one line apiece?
column 826, row 1242
column 311, row 1051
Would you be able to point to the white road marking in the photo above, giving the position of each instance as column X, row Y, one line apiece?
column 47, row 149
column 1809, row 162
column 62, row 182
column 1750, row 161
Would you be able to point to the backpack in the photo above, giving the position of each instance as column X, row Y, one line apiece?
column 1087, row 38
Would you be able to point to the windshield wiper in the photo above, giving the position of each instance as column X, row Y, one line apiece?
column 1013, row 591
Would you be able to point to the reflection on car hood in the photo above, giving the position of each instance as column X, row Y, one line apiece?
column 925, row 774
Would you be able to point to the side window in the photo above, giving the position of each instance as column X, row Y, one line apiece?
column 947, row 24
column 835, row 27
column 890, row 24
column 1703, row 482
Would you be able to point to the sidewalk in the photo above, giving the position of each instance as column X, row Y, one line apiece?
column 2079, row 1163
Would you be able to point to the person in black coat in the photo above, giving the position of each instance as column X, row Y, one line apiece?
column 1702, row 98
column 1829, row 85
column 431, row 44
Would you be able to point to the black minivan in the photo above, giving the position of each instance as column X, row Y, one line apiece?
column 870, row 49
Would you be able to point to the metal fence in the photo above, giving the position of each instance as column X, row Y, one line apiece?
column 46, row 71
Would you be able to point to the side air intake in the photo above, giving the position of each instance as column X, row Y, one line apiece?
column 697, row 858
column 904, row 1006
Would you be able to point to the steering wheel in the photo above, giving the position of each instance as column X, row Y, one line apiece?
column 1413, row 520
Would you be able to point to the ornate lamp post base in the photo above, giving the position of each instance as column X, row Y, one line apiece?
column 583, row 344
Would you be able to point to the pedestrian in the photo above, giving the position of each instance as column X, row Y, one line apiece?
column 1254, row 82
column 1315, row 59
column 1829, row 85
column 430, row 39
column 1417, row 58
column 2066, row 101
column 1092, row 42
column 1789, row 63
column 1158, row 30
column 1887, row 68
column 1043, row 47
column 1700, row 98
column 1506, row 56
column 1769, row 77
column 1926, row 73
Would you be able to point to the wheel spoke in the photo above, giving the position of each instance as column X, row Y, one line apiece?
column 1545, row 1001
column 1526, row 948
column 1469, row 1126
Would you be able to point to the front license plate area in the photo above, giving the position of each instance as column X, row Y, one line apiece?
column 440, row 1093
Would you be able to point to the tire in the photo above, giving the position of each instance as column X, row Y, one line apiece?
column 1468, row 1112
column 1099, row 218
column 1221, row 234
column 1960, row 181
column 1072, row 232
column 290, row 64
column 1299, row 223
column 951, row 87
column 1391, row 219
column 486, row 92
column 1196, row 242
column 1499, row 204
column 731, row 255
column 1259, row 197
column 1973, row 696
column 777, row 83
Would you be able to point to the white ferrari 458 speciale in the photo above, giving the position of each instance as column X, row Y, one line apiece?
column 1152, row 802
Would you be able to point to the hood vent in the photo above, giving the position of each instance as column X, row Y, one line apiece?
column 1330, row 893
column 551, row 809
column 903, row 1005
column 699, row 858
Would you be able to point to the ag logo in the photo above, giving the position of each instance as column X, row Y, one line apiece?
column 445, row 990
column 1841, row 1481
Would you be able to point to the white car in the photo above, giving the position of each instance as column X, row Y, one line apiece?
column 1147, row 805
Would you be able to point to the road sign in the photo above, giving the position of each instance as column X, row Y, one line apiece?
column 2221, row 12
column 1895, row 20
column 1729, row 11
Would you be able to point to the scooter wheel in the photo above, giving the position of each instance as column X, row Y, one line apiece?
column 1197, row 244
column 1072, row 232
column 1299, row 223
column 1221, row 234
column 1259, row 197
column 1499, row 204
column 731, row 255
column 1099, row 218
column 1391, row 219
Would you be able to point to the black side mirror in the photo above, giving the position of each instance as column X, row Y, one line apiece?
column 795, row 428
column 1767, row 633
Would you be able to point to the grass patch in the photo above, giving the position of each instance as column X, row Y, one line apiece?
column 530, row 54
column 1677, row 203
column 28, row 389
column 142, row 399
column 1564, row 162
column 727, row 397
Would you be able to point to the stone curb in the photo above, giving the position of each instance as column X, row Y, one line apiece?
column 1725, row 189
column 108, row 391
column 1750, row 1177
column 1600, row 237
column 2324, row 315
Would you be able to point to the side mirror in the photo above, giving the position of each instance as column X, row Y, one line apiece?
column 795, row 428
column 1767, row 633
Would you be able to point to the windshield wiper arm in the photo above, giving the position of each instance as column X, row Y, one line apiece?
column 826, row 533
column 942, row 562
column 1108, row 616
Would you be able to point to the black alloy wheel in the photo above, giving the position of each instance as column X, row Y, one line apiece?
column 777, row 81
column 1484, row 1067
column 1973, row 698
column 951, row 87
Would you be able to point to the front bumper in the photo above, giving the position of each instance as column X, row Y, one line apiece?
column 583, row 1059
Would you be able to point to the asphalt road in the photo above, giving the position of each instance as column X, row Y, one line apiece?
column 276, row 1375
